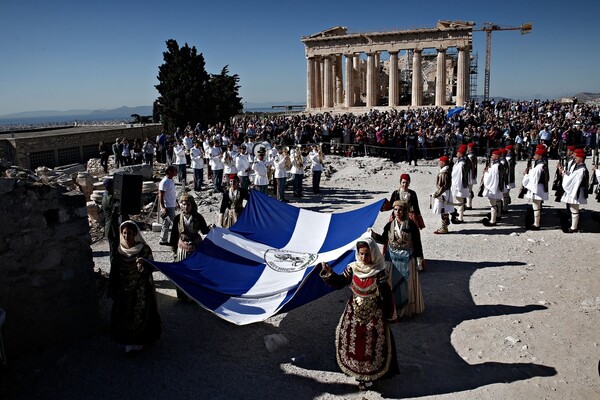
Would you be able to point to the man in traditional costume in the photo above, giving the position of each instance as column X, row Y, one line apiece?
column 460, row 184
column 493, row 183
column 575, row 185
column 472, row 157
column 509, row 176
column 442, row 198
column 535, row 180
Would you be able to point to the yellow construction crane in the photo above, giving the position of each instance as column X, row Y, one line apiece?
column 488, row 28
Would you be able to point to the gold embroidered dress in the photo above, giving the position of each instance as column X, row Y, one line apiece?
column 365, row 348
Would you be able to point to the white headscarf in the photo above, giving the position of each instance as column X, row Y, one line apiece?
column 377, row 264
column 138, row 240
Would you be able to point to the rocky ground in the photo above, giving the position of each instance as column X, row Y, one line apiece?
column 509, row 313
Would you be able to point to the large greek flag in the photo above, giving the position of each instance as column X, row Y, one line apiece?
column 265, row 263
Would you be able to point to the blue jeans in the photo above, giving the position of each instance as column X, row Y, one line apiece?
column 298, row 185
column 281, row 182
column 316, row 182
column 167, row 221
column 218, row 179
column 182, row 173
column 244, row 182
column 262, row 188
column 198, row 177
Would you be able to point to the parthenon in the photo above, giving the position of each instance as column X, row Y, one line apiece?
column 333, row 85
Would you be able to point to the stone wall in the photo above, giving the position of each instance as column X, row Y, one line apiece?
column 69, row 146
column 47, row 281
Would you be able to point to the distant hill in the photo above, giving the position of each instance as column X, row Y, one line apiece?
column 586, row 96
column 115, row 113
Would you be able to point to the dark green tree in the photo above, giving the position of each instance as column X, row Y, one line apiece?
column 182, row 83
column 187, row 93
column 223, row 91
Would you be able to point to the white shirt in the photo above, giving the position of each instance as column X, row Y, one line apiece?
column 215, row 154
column 197, row 157
column 279, row 163
column 170, row 196
column 260, row 172
column 242, row 163
column 179, row 153
column 229, row 163
column 314, row 159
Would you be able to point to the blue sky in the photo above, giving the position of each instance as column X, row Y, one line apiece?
column 65, row 55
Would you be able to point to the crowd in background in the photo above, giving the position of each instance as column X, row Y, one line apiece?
column 402, row 135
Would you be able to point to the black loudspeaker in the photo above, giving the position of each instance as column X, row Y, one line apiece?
column 128, row 191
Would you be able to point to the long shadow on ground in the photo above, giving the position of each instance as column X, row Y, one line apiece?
column 429, row 364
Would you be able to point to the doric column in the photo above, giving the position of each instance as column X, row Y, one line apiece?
column 370, row 79
column 349, row 83
column 357, row 79
column 310, row 82
column 339, row 86
column 393, row 94
column 440, row 78
column 417, row 79
column 318, row 83
column 327, row 82
column 462, row 77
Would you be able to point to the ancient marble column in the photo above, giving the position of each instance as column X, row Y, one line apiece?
column 327, row 83
column 393, row 94
column 370, row 80
column 310, row 82
column 339, row 86
column 462, row 77
column 440, row 78
column 349, row 83
column 318, row 83
column 417, row 79
column 357, row 79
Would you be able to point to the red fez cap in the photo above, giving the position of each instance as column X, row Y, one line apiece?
column 405, row 177
column 509, row 147
column 540, row 152
column 580, row 153
column 471, row 144
column 461, row 149
column 444, row 158
column 497, row 152
column 572, row 148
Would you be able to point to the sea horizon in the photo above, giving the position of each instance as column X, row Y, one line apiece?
column 8, row 124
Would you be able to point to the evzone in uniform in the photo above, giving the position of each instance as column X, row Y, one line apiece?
column 575, row 185
column 509, row 174
column 442, row 198
column 535, row 180
column 472, row 157
column 493, row 183
column 460, row 184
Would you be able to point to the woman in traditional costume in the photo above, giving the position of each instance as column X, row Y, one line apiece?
column 403, row 193
column 403, row 247
column 134, row 321
column 185, row 234
column 365, row 348
column 232, row 203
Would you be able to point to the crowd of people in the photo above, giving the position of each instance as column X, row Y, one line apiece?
column 258, row 152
